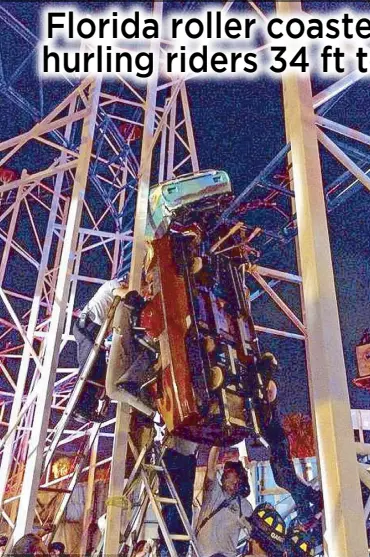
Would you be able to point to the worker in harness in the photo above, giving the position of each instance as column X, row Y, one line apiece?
column 85, row 331
column 308, row 500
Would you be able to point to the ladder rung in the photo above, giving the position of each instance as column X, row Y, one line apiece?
column 95, row 383
column 168, row 500
column 153, row 467
column 180, row 537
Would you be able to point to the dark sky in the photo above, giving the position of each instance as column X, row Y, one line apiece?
column 239, row 127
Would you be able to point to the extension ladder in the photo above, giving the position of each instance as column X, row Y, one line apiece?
column 147, row 474
column 50, row 450
column 88, row 435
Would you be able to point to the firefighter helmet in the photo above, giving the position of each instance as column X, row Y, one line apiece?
column 268, row 527
column 299, row 543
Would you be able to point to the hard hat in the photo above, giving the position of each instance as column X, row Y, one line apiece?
column 268, row 527
column 299, row 543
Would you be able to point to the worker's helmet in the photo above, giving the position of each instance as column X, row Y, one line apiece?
column 299, row 543
column 268, row 528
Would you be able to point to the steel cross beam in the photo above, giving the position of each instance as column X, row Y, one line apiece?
column 48, row 284
column 49, row 276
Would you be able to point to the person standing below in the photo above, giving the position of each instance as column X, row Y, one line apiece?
column 225, row 510
column 180, row 459
column 85, row 331
column 308, row 500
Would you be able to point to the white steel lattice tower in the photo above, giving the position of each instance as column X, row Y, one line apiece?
column 77, row 208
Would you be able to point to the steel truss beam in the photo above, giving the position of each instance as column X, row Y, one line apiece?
column 32, row 474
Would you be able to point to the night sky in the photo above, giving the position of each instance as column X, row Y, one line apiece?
column 239, row 127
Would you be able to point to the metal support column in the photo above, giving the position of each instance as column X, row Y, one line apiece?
column 117, row 477
column 43, row 405
column 345, row 530
column 171, row 135
column 139, row 249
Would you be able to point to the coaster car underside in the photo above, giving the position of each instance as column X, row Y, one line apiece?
column 207, row 386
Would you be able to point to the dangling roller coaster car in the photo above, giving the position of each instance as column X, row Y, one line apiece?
column 208, row 388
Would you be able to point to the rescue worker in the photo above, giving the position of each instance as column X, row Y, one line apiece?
column 85, row 331
column 225, row 510
column 57, row 549
column 268, row 531
column 308, row 500
column 180, row 458
column 299, row 543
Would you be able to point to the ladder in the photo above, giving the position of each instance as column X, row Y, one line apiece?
column 81, row 457
column 148, row 474
column 88, row 435
column 82, row 379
